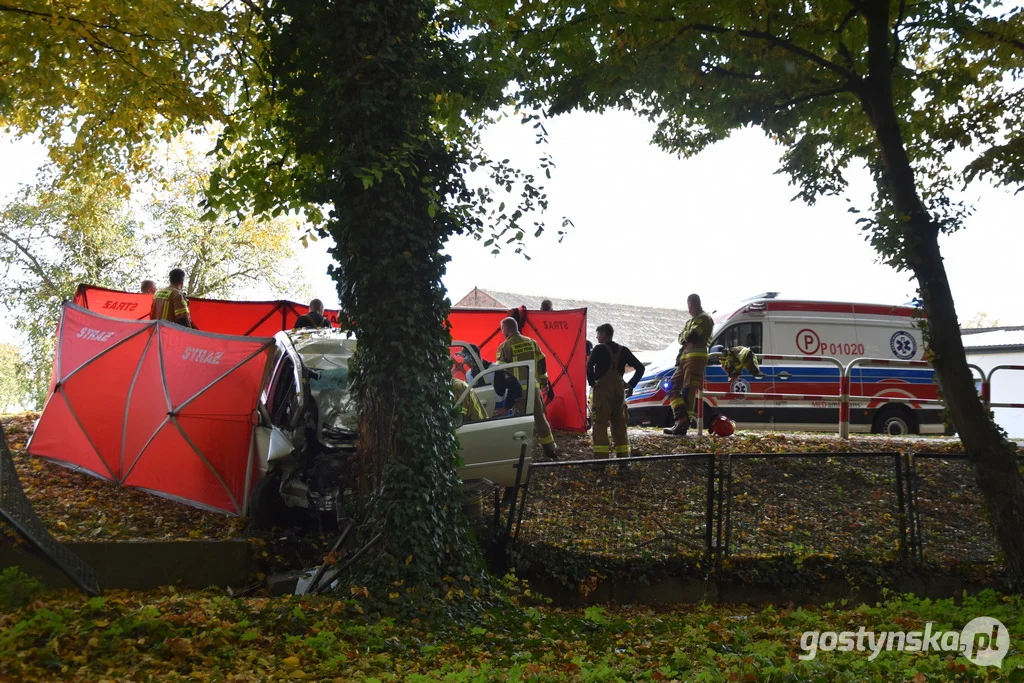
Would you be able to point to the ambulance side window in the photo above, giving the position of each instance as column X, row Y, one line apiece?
column 742, row 334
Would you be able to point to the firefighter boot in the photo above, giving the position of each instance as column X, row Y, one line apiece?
column 681, row 413
column 682, row 422
column 679, row 428
column 550, row 450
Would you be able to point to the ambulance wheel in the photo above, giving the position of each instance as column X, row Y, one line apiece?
column 894, row 421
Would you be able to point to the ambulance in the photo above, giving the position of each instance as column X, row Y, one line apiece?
column 842, row 331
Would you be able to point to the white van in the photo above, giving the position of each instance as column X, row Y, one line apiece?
column 843, row 331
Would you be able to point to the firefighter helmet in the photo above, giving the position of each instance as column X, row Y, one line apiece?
column 723, row 426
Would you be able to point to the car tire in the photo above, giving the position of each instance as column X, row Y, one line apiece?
column 894, row 420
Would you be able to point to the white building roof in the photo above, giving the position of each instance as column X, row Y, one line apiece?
column 988, row 339
column 639, row 328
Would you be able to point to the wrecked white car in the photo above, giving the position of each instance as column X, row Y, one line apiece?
column 307, row 434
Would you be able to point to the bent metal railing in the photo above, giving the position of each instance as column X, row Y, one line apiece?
column 893, row 506
column 17, row 511
column 844, row 394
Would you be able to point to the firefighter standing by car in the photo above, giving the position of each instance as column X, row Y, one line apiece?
column 516, row 348
column 170, row 303
column 605, row 366
column 690, row 364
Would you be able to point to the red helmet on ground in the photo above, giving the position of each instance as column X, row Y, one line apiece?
column 723, row 426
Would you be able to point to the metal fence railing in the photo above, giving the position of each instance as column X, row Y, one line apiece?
column 888, row 506
column 949, row 519
column 621, row 508
column 849, row 504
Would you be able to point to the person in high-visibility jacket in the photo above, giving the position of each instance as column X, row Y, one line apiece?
column 605, row 366
column 516, row 348
column 737, row 359
column 170, row 303
column 472, row 409
column 690, row 365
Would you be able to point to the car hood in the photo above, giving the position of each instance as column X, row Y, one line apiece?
column 658, row 368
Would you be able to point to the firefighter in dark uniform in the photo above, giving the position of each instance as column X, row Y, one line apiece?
column 690, row 364
column 737, row 359
column 516, row 348
column 605, row 367
column 170, row 303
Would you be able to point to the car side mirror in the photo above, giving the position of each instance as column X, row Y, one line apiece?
column 717, row 348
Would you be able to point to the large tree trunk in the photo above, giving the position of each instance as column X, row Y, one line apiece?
column 359, row 84
column 993, row 458
column 389, row 280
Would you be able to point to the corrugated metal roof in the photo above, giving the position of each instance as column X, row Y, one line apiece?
column 983, row 338
column 640, row 328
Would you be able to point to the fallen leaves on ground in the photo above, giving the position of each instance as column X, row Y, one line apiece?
column 202, row 636
column 76, row 506
column 816, row 502
column 652, row 509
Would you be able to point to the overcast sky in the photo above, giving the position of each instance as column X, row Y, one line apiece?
column 651, row 228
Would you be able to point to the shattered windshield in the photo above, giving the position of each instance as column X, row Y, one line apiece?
column 327, row 373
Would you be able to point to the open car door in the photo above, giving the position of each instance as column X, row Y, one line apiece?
column 490, row 448
column 278, row 408
column 468, row 366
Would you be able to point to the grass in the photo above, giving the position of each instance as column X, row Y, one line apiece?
column 202, row 636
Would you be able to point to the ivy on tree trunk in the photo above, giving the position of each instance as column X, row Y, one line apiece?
column 357, row 85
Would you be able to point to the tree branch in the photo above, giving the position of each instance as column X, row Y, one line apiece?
column 80, row 22
column 732, row 74
column 37, row 267
column 778, row 42
column 813, row 96
column 854, row 11
column 897, row 44
column 253, row 7
column 840, row 45
column 213, row 286
column 1006, row 40
column 666, row 534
